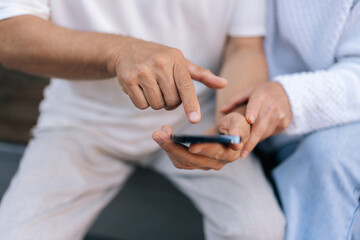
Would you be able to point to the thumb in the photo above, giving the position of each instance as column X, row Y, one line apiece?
column 163, row 137
column 205, row 76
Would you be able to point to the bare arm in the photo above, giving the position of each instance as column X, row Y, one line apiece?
column 151, row 74
column 244, row 66
column 39, row 47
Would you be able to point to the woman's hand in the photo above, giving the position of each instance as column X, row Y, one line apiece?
column 268, row 110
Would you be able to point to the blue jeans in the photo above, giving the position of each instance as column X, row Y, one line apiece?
column 319, row 185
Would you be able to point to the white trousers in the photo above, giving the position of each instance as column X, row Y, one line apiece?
column 67, row 176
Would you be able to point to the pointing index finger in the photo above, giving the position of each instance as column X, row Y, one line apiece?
column 187, row 92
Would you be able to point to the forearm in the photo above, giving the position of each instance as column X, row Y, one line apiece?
column 39, row 47
column 244, row 66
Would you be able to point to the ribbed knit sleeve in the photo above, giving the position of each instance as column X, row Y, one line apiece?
column 329, row 97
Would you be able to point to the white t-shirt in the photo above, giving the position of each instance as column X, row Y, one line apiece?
column 198, row 28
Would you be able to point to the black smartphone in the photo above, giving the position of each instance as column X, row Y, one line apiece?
column 223, row 139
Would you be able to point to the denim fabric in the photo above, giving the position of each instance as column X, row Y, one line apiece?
column 319, row 184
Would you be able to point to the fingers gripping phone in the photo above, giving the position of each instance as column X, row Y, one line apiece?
column 222, row 139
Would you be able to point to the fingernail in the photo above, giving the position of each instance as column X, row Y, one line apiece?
column 195, row 151
column 194, row 117
column 244, row 154
column 252, row 118
column 158, row 141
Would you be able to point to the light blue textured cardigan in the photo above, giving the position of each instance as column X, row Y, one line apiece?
column 313, row 50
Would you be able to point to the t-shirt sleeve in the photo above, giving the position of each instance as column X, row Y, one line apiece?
column 13, row 8
column 248, row 18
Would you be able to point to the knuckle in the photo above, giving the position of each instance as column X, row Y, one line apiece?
column 218, row 155
column 141, row 106
column 204, row 71
column 143, row 71
column 176, row 53
column 281, row 116
column 160, row 61
column 157, row 105
column 129, row 81
column 222, row 129
column 284, row 122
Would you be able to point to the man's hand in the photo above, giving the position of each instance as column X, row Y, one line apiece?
column 268, row 109
column 159, row 76
column 151, row 74
column 206, row 156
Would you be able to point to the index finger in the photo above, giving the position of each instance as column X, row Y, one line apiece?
column 253, row 107
column 187, row 92
column 257, row 133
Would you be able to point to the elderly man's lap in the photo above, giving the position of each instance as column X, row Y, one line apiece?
column 67, row 177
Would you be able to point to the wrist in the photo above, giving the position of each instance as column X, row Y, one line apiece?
column 115, row 52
